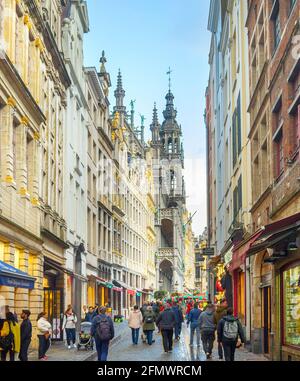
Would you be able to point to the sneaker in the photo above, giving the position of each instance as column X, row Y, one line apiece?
column 74, row 345
column 69, row 346
column 44, row 359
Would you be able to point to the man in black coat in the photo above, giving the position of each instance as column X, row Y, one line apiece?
column 166, row 322
column 26, row 334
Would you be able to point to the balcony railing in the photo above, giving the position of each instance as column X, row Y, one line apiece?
column 284, row 190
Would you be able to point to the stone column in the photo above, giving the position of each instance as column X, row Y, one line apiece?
column 21, row 156
column 6, row 133
column 21, row 294
column 34, row 170
column 8, row 293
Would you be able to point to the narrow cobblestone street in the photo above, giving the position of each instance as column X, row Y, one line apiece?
column 124, row 350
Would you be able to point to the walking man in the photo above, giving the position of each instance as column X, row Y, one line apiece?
column 166, row 323
column 193, row 320
column 208, row 325
column 178, row 320
column 103, row 331
column 229, row 330
column 26, row 334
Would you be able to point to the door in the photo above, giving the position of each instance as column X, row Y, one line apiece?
column 53, row 306
column 267, row 318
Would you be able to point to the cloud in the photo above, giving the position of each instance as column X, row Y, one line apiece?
column 195, row 179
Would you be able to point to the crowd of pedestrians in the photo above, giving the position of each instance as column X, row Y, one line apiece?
column 167, row 318
column 204, row 322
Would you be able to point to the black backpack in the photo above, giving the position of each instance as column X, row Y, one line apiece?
column 103, row 330
column 7, row 342
column 149, row 319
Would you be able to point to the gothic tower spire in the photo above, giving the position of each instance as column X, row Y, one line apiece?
column 120, row 95
column 155, row 126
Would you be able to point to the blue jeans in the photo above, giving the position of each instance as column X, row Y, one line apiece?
column 195, row 327
column 149, row 335
column 102, row 350
column 135, row 335
column 71, row 335
column 177, row 330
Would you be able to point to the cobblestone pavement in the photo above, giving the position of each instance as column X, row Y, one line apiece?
column 124, row 350
column 59, row 352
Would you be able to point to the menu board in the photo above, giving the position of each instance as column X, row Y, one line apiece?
column 291, row 300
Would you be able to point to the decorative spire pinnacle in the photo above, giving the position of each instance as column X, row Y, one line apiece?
column 119, row 81
column 169, row 74
column 155, row 116
column 120, row 95
column 103, row 62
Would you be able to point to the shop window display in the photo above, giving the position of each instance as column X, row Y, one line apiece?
column 291, row 306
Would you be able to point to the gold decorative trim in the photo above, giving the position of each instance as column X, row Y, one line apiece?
column 9, row 179
column 24, row 120
column 11, row 102
column 39, row 44
column 27, row 21
column 35, row 201
column 23, row 191
column 36, row 136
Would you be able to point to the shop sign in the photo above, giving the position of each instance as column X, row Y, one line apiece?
column 228, row 257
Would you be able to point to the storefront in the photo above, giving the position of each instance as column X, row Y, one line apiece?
column 54, row 306
column 290, row 311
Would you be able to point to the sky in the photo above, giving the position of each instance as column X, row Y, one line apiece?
column 144, row 38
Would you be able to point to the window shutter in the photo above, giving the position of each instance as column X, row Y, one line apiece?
column 298, row 128
column 239, row 127
column 234, row 138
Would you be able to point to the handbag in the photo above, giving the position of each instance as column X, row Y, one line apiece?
column 7, row 342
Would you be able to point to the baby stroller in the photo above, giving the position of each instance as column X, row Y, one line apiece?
column 85, row 339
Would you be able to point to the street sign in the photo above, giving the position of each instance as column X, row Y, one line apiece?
column 208, row 251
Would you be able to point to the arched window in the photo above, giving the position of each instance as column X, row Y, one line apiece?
column 170, row 145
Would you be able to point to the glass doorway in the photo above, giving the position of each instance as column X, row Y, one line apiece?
column 53, row 306
column 267, row 318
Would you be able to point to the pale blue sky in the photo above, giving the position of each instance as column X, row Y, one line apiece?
column 143, row 38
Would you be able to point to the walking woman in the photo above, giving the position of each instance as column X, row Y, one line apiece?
column 149, row 324
column 44, row 330
column 69, row 324
column 135, row 322
column 11, row 333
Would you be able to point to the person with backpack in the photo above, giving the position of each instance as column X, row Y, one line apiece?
column 103, row 332
column 193, row 319
column 149, row 324
column 14, row 338
column 69, row 325
column 44, row 331
column 229, row 330
column 26, row 334
column 6, row 340
column 221, row 311
column 135, row 322
column 166, row 323
column 208, row 325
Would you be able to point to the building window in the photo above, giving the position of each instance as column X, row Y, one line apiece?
column 236, row 132
column 275, row 16
column 278, row 153
column 1, row 251
column 291, row 305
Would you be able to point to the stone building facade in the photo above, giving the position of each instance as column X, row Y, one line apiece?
column 33, row 101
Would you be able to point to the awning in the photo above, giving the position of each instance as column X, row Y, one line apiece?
column 273, row 233
column 12, row 277
column 240, row 253
column 270, row 241
column 120, row 284
column 58, row 267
